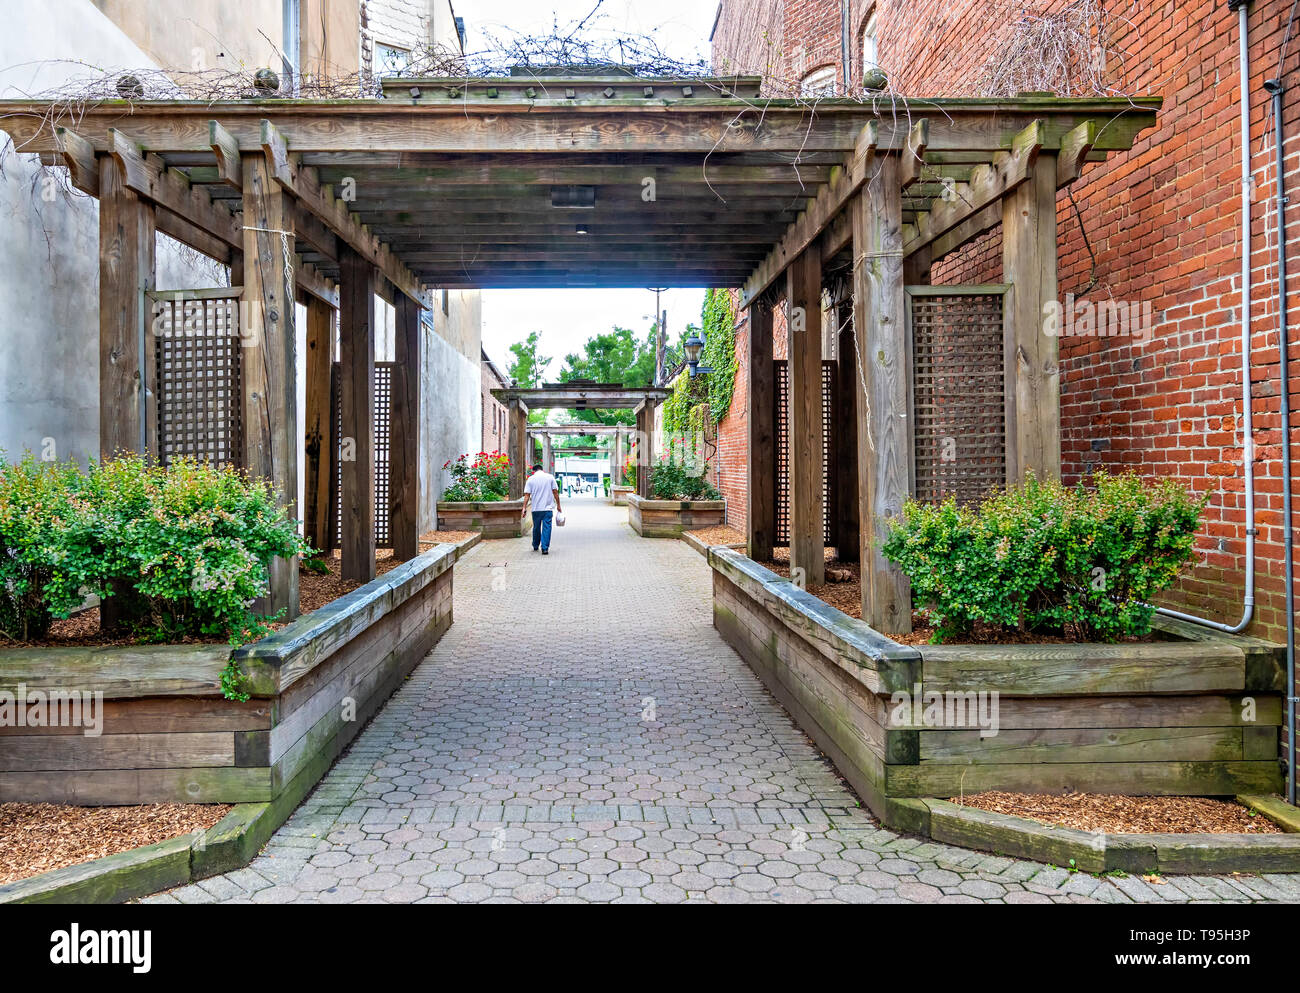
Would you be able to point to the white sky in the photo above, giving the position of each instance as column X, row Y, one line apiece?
column 567, row 318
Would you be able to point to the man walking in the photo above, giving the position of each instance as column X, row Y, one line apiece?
column 542, row 493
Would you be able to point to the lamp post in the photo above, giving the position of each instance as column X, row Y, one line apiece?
column 694, row 346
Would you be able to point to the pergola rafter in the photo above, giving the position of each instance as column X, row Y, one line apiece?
column 591, row 182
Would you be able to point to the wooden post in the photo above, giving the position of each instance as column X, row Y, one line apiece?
column 517, row 415
column 645, row 424
column 320, row 424
column 847, row 537
column 760, row 486
column 884, row 423
column 548, row 454
column 270, row 364
column 1033, row 395
column 404, row 447
column 804, row 347
column 127, row 227
column 357, row 437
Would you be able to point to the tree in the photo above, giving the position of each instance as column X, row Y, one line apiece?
column 616, row 357
column 529, row 365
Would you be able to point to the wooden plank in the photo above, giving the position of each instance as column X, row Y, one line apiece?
column 357, row 365
column 1033, row 401
column 269, row 369
column 1084, row 670
column 1075, row 147
column 884, row 426
column 119, row 672
column 913, row 156
column 79, row 157
column 760, row 469
column 164, row 715
column 230, row 168
column 806, row 430
column 1150, row 711
column 118, row 787
column 127, row 229
column 55, row 753
column 1171, row 744
column 832, row 199
column 319, row 448
column 404, row 444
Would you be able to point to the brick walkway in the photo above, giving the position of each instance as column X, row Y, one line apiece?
column 582, row 734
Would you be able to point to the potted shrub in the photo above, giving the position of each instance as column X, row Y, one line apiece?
column 478, row 498
column 681, row 499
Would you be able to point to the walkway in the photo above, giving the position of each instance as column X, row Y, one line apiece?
column 582, row 734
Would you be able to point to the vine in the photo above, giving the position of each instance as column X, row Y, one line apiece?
column 719, row 351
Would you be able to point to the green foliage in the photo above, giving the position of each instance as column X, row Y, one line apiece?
column 185, row 549
column 529, row 365
column 1044, row 558
column 616, row 357
column 681, row 475
column 719, row 351
column 687, row 395
column 485, row 480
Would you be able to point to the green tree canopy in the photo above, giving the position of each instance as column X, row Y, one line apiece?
column 615, row 357
column 529, row 365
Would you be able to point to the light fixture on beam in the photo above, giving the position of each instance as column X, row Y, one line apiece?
column 583, row 229
column 694, row 348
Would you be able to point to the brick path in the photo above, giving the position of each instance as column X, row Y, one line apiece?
column 582, row 734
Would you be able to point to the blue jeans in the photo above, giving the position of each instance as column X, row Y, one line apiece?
column 542, row 529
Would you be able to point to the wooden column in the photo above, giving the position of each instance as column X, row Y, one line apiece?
column 1033, row 395
column 517, row 415
column 357, row 395
column 548, row 454
column 847, row 537
column 404, row 447
column 127, row 226
column 804, row 348
column 645, row 446
column 884, row 423
column 270, row 363
column 760, row 484
column 320, row 424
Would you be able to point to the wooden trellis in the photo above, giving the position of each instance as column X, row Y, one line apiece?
column 781, row 480
column 196, row 385
column 382, row 456
column 958, row 391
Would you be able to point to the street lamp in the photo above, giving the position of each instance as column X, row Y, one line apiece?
column 694, row 346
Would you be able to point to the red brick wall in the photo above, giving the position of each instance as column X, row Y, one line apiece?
column 1163, row 224
column 495, row 431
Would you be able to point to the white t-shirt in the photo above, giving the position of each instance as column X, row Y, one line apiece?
column 541, row 487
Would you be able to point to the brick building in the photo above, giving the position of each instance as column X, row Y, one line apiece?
column 1157, row 230
column 495, row 430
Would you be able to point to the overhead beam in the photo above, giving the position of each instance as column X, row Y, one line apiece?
column 913, row 158
column 829, row 202
column 226, row 149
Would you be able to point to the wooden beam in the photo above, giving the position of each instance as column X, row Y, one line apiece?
column 918, row 140
column 126, row 274
column 357, row 437
column 226, row 149
column 269, row 365
column 517, row 445
column 805, row 423
column 760, row 486
column 1075, row 149
column 320, row 439
column 1032, row 366
column 314, row 285
column 829, row 202
column 988, row 185
column 884, row 423
column 404, row 445
column 79, row 156
column 319, row 200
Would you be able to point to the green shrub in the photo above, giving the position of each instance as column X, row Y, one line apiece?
column 676, row 476
column 181, row 551
column 485, row 480
column 1040, row 557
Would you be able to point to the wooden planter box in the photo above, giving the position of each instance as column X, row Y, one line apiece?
column 168, row 735
column 669, row 518
column 621, row 495
column 500, row 519
column 1196, row 716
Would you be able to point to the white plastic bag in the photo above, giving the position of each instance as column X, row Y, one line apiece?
column 559, row 520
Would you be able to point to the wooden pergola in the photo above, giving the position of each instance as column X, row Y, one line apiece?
column 479, row 183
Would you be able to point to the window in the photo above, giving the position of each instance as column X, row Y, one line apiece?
column 391, row 60
column 819, row 83
column 870, row 49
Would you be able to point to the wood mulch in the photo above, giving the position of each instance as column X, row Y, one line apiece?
column 38, row 837
column 315, row 590
column 1126, row 814
column 721, row 535
column 432, row 538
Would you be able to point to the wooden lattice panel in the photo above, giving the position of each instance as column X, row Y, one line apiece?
column 958, row 395
column 383, row 415
column 782, row 480
column 197, row 375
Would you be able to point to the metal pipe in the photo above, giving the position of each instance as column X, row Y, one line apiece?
column 1277, row 87
column 1247, row 415
column 291, row 50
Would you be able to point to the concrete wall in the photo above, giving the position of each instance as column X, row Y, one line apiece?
column 451, row 414
column 201, row 34
column 49, row 259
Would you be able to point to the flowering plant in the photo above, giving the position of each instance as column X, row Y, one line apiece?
column 484, row 480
